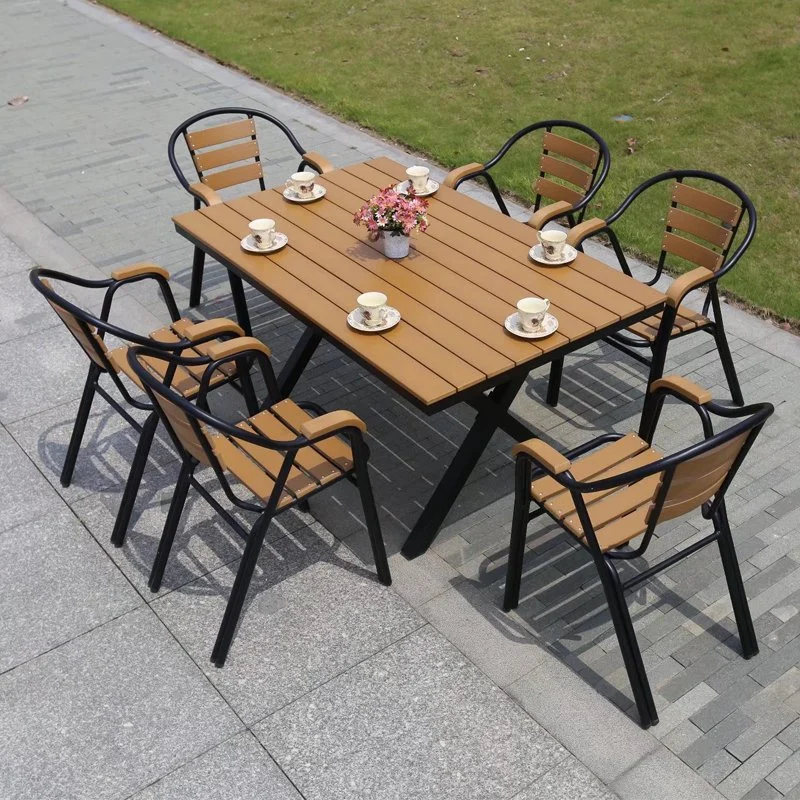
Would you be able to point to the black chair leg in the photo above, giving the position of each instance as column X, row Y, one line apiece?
column 554, row 383
column 171, row 525
column 198, row 266
column 134, row 480
column 246, row 382
column 733, row 576
column 239, row 591
column 629, row 646
column 519, row 527
column 79, row 428
column 371, row 514
column 727, row 364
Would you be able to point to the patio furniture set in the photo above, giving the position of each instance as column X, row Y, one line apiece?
column 452, row 292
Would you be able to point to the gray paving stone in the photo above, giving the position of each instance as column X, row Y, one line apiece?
column 757, row 767
column 416, row 717
column 718, row 767
column 80, row 715
column 57, row 584
column 763, row 791
column 769, row 725
column 787, row 775
column 661, row 776
column 237, row 769
column 313, row 611
column 722, row 734
column 570, row 780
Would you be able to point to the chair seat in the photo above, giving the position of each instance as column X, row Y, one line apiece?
column 687, row 320
column 186, row 379
column 617, row 515
column 257, row 467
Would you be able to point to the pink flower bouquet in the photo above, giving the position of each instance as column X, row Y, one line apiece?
column 396, row 214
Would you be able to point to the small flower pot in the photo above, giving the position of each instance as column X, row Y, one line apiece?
column 395, row 246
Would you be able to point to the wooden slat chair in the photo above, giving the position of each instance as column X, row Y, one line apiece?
column 570, row 172
column 235, row 163
column 700, row 230
column 282, row 455
column 611, row 493
column 181, row 335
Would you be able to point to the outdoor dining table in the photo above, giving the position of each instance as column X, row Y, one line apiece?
column 461, row 280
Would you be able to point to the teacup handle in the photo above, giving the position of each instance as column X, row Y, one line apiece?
column 546, row 305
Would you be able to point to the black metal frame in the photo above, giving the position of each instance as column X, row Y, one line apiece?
column 527, row 470
column 91, row 324
column 715, row 326
column 198, row 414
column 599, row 173
column 198, row 261
column 492, row 407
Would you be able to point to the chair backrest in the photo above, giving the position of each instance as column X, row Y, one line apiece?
column 218, row 151
column 187, row 432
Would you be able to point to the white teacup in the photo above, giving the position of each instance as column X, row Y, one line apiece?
column 553, row 243
column 531, row 312
column 418, row 177
column 373, row 308
column 302, row 183
column 262, row 232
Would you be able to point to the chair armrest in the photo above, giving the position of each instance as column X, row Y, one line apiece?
column 205, row 193
column 683, row 387
column 584, row 230
column 543, row 454
column 685, row 283
column 331, row 423
column 207, row 329
column 459, row 174
column 234, row 347
column 319, row 162
column 138, row 271
column 550, row 212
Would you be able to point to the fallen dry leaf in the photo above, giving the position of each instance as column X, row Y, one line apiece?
column 631, row 144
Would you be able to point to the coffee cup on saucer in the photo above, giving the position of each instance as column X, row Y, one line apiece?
column 373, row 308
column 302, row 183
column 418, row 178
column 531, row 311
column 553, row 243
column 262, row 232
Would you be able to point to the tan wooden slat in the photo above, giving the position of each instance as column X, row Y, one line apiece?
column 239, row 464
column 554, row 143
column 617, row 504
column 505, row 256
column 566, row 171
column 691, row 251
column 424, row 305
column 234, row 176
column 265, row 271
column 75, row 328
column 602, row 273
column 211, row 159
column 706, row 203
column 556, row 191
column 219, row 134
column 697, row 226
column 686, row 320
column 427, row 351
column 182, row 428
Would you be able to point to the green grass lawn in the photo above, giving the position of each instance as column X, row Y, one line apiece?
column 711, row 84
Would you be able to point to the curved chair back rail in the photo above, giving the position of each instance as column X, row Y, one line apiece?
column 580, row 170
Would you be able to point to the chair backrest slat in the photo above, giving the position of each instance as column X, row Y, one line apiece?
column 681, row 220
column 85, row 335
column 220, row 134
column 706, row 203
column 183, row 428
column 569, row 172
column 697, row 479
column 556, row 191
column 569, row 148
column 691, row 251
column 222, row 156
column 234, row 176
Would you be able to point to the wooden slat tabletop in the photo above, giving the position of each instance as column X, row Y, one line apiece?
column 461, row 280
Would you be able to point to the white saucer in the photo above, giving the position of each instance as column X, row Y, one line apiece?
column 549, row 325
column 430, row 189
column 569, row 255
column 354, row 320
column 293, row 197
column 281, row 240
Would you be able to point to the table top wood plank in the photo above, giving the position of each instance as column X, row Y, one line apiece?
column 411, row 376
column 420, row 346
column 420, row 303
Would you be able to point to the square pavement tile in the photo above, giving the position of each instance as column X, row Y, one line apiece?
column 106, row 714
column 57, row 584
column 417, row 720
column 26, row 494
column 569, row 780
column 239, row 769
column 106, row 453
column 313, row 611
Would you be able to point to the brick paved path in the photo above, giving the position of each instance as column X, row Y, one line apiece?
column 87, row 157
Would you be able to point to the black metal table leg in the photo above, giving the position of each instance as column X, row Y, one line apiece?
column 489, row 419
column 240, row 303
column 662, row 342
column 298, row 360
